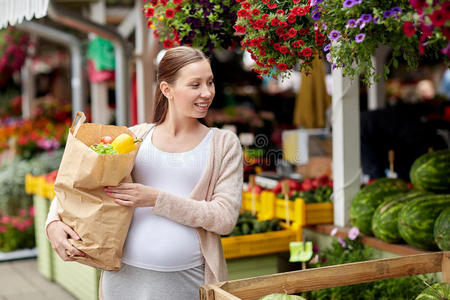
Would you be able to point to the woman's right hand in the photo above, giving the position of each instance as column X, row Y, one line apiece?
column 58, row 234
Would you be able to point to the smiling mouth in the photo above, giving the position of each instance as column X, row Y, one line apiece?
column 201, row 105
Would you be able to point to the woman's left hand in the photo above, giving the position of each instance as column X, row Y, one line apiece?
column 132, row 194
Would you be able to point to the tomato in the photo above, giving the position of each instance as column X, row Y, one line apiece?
column 106, row 139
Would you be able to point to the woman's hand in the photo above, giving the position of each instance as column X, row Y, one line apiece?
column 58, row 233
column 132, row 194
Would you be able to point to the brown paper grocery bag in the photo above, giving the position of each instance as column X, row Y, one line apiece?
column 82, row 202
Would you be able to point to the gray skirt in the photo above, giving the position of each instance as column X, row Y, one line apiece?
column 141, row 284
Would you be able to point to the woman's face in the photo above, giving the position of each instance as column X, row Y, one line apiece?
column 193, row 91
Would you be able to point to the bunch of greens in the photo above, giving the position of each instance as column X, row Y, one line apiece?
column 103, row 148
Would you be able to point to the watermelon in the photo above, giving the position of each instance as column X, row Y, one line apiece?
column 438, row 291
column 431, row 171
column 442, row 230
column 369, row 198
column 416, row 220
column 385, row 218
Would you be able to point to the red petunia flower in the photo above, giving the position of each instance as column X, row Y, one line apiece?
column 170, row 13
column 307, row 51
column 262, row 53
column 168, row 43
column 296, row 1
column 292, row 32
column 292, row 18
column 177, row 1
column 265, row 17
column 446, row 32
column 154, row 2
column 438, row 18
column 272, row 5
column 409, row 29
column 286, row 37
column 149, row 12
column 302, row 31
column 282, row 67
column 276, row 46
column 239, row 29
column 274, row 22
column 284, row 49
column 280, row 12
column 279, row 31
column 245, row 5
column 256, row 12
column 242, row 13
column 271, row 61
column 283, row 24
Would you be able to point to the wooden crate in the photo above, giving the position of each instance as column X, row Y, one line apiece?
column 328, row 277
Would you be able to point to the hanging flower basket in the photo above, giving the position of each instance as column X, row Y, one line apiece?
column 13, row 51
column 280, row 35
column 202, row 24
column 356, row 28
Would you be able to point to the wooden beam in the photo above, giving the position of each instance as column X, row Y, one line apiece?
column 446, row 267
column 334, row 276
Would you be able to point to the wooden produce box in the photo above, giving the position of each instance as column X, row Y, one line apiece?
column 328, row 277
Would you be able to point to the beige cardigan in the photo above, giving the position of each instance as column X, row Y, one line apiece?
column 214, row 204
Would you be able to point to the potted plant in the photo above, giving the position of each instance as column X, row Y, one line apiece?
column 356, row 28
column 202, row 24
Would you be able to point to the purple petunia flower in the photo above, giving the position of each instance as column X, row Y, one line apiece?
column 349, row 3
column 334, row 35
column 353, row 233
column 387, row 14
column 342, row 242
column 327, row 47
column 396, row 10
column 375, row 20
column 328, row 57
column 360, row 37
column 315, row 2
column 334, row 66
column 316, row 16
column 366, row 18
column 357, row 1
column 351, row 23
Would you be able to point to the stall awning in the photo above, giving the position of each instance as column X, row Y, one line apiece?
column 15, row 11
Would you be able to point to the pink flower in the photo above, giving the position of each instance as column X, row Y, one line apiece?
column 334, row 231
column 31, row 211
column 342, row 242
column 315, row 259
column 353, row 233
column 22, row 212
column 5, row 219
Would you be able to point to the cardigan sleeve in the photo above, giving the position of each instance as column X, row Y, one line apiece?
column 220, row 214
column 52, row 214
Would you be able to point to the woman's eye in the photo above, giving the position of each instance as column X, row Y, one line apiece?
column 195, row 85
column 211, row 82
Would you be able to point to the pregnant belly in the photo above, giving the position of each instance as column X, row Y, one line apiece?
column 157, row 243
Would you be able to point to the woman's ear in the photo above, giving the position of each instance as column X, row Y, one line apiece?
column 165, row 89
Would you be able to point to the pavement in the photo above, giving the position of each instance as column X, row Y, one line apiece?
column 20, row 280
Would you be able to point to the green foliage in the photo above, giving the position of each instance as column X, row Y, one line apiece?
column 344, row 251
column 12, row 180
column 249, row 224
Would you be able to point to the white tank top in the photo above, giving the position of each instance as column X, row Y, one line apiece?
column 155, row 242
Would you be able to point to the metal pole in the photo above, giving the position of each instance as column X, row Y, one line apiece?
column 74, row 44
column 71, row 19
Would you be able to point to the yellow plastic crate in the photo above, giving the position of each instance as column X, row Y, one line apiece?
column 259, row 243
column 250, row 202
column 31, row 183
column 319, row 213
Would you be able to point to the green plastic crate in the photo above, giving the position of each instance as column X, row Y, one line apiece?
column 80, row 280
column 45, row 251
column 239, row 268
